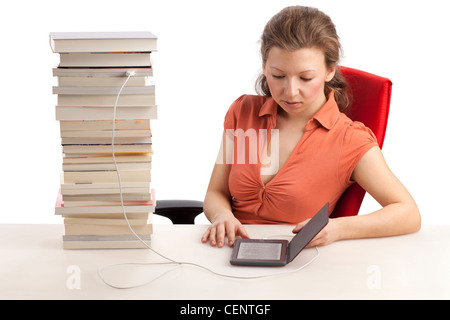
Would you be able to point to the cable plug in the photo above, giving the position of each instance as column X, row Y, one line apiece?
column 130, row 73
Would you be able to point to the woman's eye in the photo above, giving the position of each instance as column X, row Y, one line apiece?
column 301, row 78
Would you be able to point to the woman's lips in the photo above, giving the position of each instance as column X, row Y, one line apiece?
column 291, row 104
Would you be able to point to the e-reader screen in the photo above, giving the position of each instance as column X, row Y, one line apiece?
column 259, row 252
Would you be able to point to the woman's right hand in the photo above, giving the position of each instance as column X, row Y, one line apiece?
column 224, row 226
column 217, row 205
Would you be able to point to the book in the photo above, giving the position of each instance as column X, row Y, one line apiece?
column 107, row 149
column 106, row 133
column 103, row 188
column 103, row 72
column 106, row 221
column 82, row 177
column 98, row 133
column 105, row 229
column 106, row 211
column 89, row 229
column 106, row 100
column 105, row 59
column 104, row 113
column 103, row 90
column 107, row 166
column 105, row 242
column 92, row 125
column 144, row 196
column 105, row 140
column 65, row 184
column 109, row 215
column 92, row 203
column 90, row 186
column 98, row 190
column 61, row 42
column 106, row 158
column 98, row 81
column 94, row 237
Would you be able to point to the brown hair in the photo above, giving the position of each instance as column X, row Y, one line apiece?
column 298, row 27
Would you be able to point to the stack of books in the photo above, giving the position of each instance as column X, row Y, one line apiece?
column 98, row 208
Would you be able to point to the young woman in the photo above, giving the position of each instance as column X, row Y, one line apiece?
column 318, row 152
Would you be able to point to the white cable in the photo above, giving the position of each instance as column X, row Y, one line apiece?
column 178, row 264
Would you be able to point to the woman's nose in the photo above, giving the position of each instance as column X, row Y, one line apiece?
column 292, row 87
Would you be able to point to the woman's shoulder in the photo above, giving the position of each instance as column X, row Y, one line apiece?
column 249, row 101
column 356, row 132
column 249, row 109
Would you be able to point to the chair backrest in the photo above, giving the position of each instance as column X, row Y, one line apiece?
column 371, row 97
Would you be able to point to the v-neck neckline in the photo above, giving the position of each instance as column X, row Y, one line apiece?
column 305, row 135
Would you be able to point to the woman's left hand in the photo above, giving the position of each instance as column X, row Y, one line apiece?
column 326, row 236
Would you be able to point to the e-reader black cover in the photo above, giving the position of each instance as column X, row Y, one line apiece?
column 273, row 252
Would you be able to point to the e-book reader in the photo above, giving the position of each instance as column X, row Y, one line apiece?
column 277, row 252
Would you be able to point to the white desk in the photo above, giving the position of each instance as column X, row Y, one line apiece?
column 33, row 265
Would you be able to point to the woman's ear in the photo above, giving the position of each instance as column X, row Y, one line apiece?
column 331, row 73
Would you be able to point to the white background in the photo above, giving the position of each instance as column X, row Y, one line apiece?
column 208, row 56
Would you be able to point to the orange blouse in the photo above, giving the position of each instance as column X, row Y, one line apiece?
column 318, row 170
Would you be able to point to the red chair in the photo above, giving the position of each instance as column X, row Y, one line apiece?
column 371, row 96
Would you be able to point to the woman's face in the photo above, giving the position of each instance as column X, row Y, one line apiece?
column 297, row 79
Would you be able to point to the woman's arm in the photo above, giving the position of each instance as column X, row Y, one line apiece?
column 399, row 214
column 217, row 208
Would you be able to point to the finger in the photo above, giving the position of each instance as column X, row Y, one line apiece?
column 220, row 235
column 314, row 242
column 242, row 232
column 300, row 226
column 318, row 240
column 206, row 235
column 231, row 235
column 212, row 236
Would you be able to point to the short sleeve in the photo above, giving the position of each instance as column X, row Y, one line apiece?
column 232, row 114
column 357, row 141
